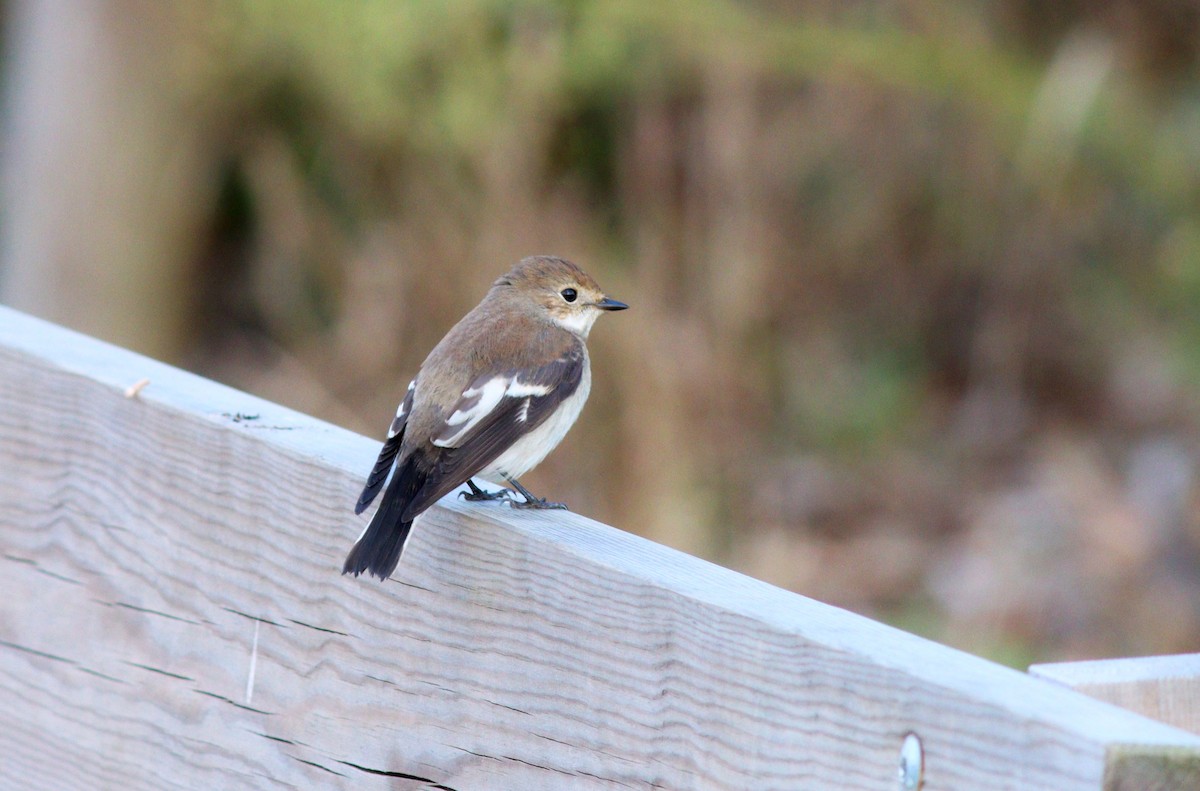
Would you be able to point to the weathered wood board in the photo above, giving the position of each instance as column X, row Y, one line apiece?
column 172, row 616
column 1166, row 688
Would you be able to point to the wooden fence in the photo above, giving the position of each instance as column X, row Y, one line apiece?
column 172, row 616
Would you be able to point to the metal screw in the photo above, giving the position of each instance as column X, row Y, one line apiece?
column 912, row 763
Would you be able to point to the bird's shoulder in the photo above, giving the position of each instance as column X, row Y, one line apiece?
column 488, row 344
column 492, row 342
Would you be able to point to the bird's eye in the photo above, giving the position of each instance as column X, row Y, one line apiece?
column 569, row 294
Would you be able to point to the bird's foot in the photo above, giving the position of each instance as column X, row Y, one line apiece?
column 531, row 501
column 480, row 495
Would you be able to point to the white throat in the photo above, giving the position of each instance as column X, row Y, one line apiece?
column 578, row 322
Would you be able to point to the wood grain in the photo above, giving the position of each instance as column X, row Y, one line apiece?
column 172, row 616
column 1166, row 688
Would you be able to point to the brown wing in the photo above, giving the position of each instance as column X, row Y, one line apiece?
column 484, row 424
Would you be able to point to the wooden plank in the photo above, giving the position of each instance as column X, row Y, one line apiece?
column 1165, row 688
column 172, row 616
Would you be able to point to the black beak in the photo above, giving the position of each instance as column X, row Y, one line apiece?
column 610, row 304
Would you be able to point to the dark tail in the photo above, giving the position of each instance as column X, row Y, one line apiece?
column 379, row 474
column 378, row 551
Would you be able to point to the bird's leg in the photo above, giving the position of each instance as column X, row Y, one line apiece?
column 476, row 494
column 530, row 500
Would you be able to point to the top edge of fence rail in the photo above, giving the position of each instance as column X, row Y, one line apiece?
column 1121, row 671
column 173, row 387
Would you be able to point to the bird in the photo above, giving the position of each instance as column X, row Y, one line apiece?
column 493, row 398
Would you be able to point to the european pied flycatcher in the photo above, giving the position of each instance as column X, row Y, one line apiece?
column 496, row 395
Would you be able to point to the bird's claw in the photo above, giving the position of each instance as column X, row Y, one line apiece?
column 483, row 495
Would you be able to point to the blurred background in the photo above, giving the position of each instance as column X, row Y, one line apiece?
column 914, row 283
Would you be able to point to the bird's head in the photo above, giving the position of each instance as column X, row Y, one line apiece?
column 566, row 294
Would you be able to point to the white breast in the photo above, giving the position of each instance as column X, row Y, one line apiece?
column 527, row 452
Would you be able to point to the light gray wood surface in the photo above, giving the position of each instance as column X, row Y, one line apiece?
column 172, row 616
column 1166, row 688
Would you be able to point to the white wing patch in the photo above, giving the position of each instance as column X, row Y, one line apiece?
column 486, row 396
column 519, row 389
column 482, row 400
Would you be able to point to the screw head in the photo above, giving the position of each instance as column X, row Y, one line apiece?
column 912, row 763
